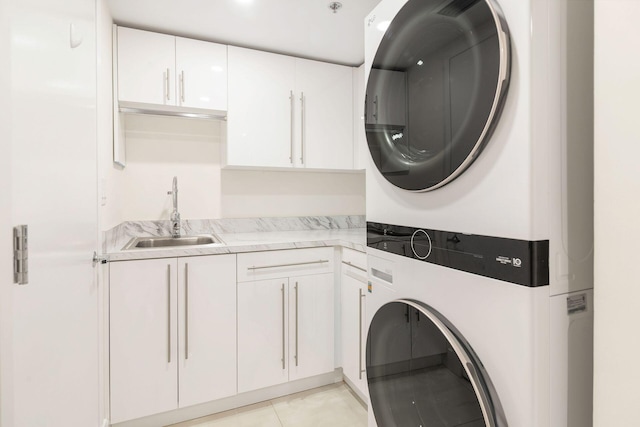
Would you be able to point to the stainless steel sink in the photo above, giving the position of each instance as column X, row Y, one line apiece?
column 167, row 242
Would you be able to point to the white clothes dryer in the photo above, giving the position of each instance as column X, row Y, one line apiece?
column 478, row 117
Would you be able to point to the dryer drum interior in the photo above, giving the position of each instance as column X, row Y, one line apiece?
column 435, row 90
column 421, row 372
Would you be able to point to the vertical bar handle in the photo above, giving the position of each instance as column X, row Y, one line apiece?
column 360, row 370
column 302, row 126
column 186, row 311
column 167, row 88
column 283, row 327
column 297, row 359
column 182, row 86
column 292, row 104
column 168, row 313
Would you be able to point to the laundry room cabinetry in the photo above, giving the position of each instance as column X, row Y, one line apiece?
column 161, row 69
column 172, row 334
column 288, row 112
column 285, row 316
column 353, row 291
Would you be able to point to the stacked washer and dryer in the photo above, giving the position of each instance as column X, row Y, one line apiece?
column 478, row 117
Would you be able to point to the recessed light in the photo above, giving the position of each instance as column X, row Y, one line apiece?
column 420, row 62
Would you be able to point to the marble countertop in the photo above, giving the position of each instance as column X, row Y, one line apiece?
column 264, row 239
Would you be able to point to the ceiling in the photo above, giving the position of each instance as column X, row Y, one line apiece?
column 305, row 28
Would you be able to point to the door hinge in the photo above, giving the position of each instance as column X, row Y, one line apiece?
column 20, row 255
column 99, row 259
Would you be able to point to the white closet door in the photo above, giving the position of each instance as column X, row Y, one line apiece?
column 49, row 343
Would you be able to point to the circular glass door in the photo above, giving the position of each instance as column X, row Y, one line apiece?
column 420, row 372
column 435, row 90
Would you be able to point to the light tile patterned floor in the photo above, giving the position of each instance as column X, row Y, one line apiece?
column 330, row 406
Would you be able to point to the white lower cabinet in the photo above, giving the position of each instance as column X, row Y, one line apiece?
column 286, row 323
column 353, row 291
column 172, row 334
column 207, row 318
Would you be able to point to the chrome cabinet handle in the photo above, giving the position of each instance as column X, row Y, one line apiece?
column 320, row 261
column 182, row 86
column 283, row 327
column 186, row 311
column 169, row 313
column 360, row 335
column 292, row 104
column 167, row 86
column 302, row 126
column 354, row 266
column 296, row 356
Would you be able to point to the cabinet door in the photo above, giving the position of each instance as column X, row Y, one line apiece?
column 146, row 67
column 260, row 127
column 201, row 72
column 353, row 329
column 143, row 338
column 325, row 99
column 262, row 339
column 207, row 328
column 311, row 325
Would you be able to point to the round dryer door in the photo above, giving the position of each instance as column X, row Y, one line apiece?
column 435, row 90
column 422, row 373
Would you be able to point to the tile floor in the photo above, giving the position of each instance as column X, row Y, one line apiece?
column 329, row 406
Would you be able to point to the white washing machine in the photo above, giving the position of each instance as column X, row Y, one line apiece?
column 480, row 212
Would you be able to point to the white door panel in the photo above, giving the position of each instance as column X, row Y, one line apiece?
column 53, row 343
column 146, row 67
column 326, row 122
column 207, row 328
column 311, row 321
column 262, row 334
column 143, row 338
column 260, row 122
column 201, row 70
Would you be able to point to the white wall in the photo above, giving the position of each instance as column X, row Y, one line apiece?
column 617, row 213
column 248, row 194
column 159, row 148
column 6, row 253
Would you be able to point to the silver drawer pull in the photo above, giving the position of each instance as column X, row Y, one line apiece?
column 354, row 266
column 320, row 261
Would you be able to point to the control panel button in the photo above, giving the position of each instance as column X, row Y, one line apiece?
column 421, row 244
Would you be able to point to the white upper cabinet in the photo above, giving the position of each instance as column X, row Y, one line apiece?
column 325, row 99
column 146, row 67
column 260, row 123
column 166, row 70
column 288, row 112
column 201, row 72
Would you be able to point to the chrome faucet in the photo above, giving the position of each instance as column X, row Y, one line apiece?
column 175, row 215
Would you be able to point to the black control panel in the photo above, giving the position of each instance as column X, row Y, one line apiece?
column 522, row 262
